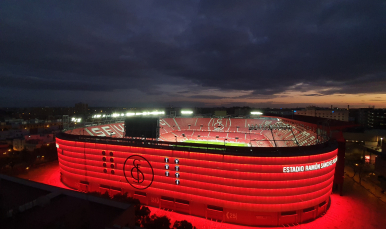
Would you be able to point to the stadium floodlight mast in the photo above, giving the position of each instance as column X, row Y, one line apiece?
column 256, row 113
column 76, row 119
column 186, row 112
column 150, row 113
column 114, row 115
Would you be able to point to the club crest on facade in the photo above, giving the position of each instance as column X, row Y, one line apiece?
column 138, row 172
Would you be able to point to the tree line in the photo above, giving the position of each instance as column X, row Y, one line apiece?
column 142, row 214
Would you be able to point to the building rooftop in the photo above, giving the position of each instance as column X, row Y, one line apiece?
column 35, row 205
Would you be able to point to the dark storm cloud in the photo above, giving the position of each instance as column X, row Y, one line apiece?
column 312, row 95
column 291, row 43
column 265, row 47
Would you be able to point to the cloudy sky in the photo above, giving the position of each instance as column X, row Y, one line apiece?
column 193, row 53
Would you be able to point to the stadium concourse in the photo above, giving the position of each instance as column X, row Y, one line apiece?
column 258, row 132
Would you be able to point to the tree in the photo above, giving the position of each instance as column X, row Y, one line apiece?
column 126, row 199
column 357, row 166
column 183, row 225
column 157, row 222
column 142, row 215
column 98, row 194
column 355, row 161
column 106, row 195
column 120, row 197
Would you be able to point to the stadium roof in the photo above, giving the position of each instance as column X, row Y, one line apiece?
column 333, row 124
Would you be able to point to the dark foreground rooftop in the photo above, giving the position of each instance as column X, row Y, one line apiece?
column 27, row 204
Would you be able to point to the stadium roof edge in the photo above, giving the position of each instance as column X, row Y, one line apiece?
column 334, row 124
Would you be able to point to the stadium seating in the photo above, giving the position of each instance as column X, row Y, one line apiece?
column 254, row 132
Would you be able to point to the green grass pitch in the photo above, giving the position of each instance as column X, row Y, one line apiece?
column 217, row 143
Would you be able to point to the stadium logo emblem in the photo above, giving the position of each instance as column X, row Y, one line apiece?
column 138, row 172
column 218, row 126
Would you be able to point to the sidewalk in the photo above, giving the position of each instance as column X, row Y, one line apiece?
column 366, row 183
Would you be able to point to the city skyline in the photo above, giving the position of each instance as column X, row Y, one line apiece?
column 197, row 53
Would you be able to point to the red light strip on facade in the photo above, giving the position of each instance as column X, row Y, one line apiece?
column 237, row 183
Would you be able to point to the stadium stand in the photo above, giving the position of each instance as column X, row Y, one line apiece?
column 262, row 132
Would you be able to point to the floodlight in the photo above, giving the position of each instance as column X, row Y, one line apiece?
column 186, row 112
column 149, row 113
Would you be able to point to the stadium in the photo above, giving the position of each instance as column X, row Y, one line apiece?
column 265, row 171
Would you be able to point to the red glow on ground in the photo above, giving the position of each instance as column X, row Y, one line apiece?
column 358, row 208
column 48, row 174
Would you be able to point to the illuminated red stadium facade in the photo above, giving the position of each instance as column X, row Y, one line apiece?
column 258, row 184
